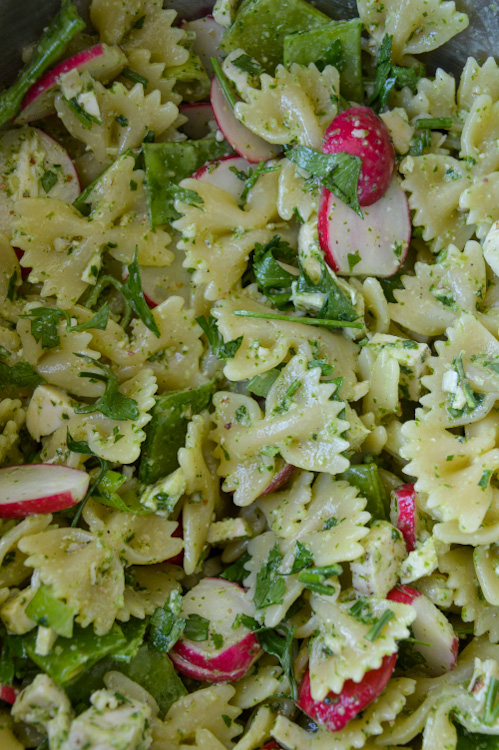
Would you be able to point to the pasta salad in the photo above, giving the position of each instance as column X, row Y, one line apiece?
column 249, row 374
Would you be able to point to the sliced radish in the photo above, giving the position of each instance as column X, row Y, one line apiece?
column 279, row 480
column 337, row 709
column 25, row 272
column 207, row 42
column 403, row 513
column 23, row 166
column 102, row 61
column 222, row 174
column 179, row 532
column 271, row 746
column 432, row 627
column 247, row 144
column 375, row 245
column 8, row 694
column 228, row 652
column 360, row 132
column 40, row 488
column 198, row 116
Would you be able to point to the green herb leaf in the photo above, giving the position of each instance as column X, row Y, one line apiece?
column 48, row 180
column 308, row 321
column 338, row 173
column 54, row 40
column 44, row 324
column 237, row 572
column 260, row 385
column 303, row 558
column 98, row 321
column 12, row 287
column 284, row 648
column 389, row 76
column 337, row 305
column 46, row 610
column 491, row 710
column 269, row 274
column 20, row 375
column 254, row 174
column 121, row 120
column 226, row 87
column 132, row 75
column 197, row 628
column 79, row 446
column 248, row 65
column 112, row 403
column 4, row 353
column 229, row 350
column 86, row 119
column 132, row 291
column 270, row 585
column 222, row 350
column 189, row 197
column 166, row 625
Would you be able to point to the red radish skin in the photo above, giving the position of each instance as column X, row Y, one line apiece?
column 243, row 141
column 271, row 746
column 430, row 626
column 280, row 479
column 375, row 245
column 337, row 710
column 219, row 601
column 404, row 513
column 207, row 42
column 198, row 116
column 40, row 488
column 220, row 173
column 360, row 132
column 25, row 272
column 102, row 61
column 179, row 533
column 8, row 694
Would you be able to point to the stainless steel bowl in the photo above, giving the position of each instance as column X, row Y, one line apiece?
column 22, row 21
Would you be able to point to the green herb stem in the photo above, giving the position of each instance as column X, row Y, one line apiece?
column 375, row 632
column 434, row 123
column 224, row 84
column 295, row 319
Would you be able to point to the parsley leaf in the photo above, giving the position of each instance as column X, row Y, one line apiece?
column 197, row 628
column 270, row 586
column 20, row 375
column 261, row 384
column 79, row 446
column 284, row 647
column 48, row 180
column 248, row 65
column 338, row 173
column 45, row 321
column 337, row 305
column 389, row 76
column 223, row 350
column 237, row 572
column 166, row 625
column 303, row 558
column 132, row 291
column 112, row 403
column 189, row 197
column 271, row 277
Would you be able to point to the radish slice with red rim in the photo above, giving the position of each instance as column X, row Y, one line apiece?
column 207, row 42
column 430, row 627
column 375, row 245
column 403, row 513
column 360, row 132
column 223, row 174
column 227, row 653
column 102, row 61
column 40, row 488
column 247, row 144
column 8, row 694
column 337, row 709
column 280, row 479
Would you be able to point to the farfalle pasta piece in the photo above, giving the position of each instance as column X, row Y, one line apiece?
column 438, row 293
column 370, row 723
column 476, row 80
column 435, row 97
column 286, row 510
column 463, row 385
column 10, row 279
column 481, row 200
column 266, row 343
column 340, row 651
column 218, row 235
column 480, row 134
column 454, row 471
column 203, row 709
column 147, row 587
column 107, row 138
column 110, row 439
column 202, row 490
column 12, row 418
column 300, row 422
column 140, row 61
column 435, row 183
column 293, row 107
column 166, row 42
column 12, row 569
column 415, row 26
column 294, row 196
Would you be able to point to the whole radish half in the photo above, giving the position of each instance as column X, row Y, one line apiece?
column 223, row 174
column 360, row 132
column 247, row 144
column 431, row 627
column 20, row 178
column 207, row 42
column 228, row 652
column 198, row 116
column 40, row 488
column 337, row 709
column 403, row 513
column 102, row 61
column 375, row 245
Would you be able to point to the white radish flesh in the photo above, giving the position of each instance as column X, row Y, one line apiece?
column 102, row 61
column 247, row 144
column 403, row 513
column 360, row 132
column 207, row 42
column 222, row 174
column 432, row 627
column 228, row 652
column 40, row 488
column 375, row 245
